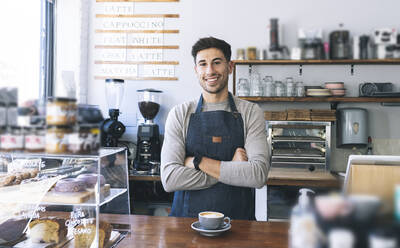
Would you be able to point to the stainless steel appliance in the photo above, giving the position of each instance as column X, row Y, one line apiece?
column 364, row 44
column 339, row 42
column 148, row 140
column 311, row 44
column 384, row 42
column 300, row 144
column 352, row 127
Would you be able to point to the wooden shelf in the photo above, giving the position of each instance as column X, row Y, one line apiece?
column 333, row 100
column 155, row 178
column 321, row 99
column 316, row 62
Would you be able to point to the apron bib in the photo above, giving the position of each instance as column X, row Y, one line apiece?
column 216, row 135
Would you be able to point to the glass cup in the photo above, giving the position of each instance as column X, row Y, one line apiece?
column 290, row 87
column 280, row 89
column 256, row 84
column 243, row 87
column 269, row 86
column 300, row 90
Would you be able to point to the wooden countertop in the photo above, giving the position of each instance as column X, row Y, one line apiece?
column 152, row 231
column 280, row 176
column 293, row 177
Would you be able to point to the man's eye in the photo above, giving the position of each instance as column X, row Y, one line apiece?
column 217, row 62
column 202, row 64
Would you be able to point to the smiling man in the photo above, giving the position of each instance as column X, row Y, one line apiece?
column 215, row 148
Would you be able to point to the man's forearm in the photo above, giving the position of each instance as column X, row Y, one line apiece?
column 210, row 166
column 178, row 177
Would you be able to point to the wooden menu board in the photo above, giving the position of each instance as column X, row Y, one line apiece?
column 133, row 45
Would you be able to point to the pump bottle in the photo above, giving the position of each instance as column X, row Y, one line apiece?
column 304, row 231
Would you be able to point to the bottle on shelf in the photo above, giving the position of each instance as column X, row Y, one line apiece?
column 369, row 149
column 255, row 83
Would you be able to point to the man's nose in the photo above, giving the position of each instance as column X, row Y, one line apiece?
column 210, row 69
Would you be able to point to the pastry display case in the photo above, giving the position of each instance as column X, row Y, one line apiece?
column 302, row 145
column 55, row 200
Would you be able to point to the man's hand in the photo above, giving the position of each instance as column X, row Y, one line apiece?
column 189, row 162
column 240, row 155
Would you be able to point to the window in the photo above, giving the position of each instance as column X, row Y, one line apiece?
column 24, row 54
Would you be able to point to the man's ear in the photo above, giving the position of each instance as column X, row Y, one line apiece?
column 230, row 64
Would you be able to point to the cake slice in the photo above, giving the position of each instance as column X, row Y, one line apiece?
column 47, row 230
column 84, row 234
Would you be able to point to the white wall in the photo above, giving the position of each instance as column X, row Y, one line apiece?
column 243, row 24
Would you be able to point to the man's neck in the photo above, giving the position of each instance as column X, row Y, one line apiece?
column 215, row 98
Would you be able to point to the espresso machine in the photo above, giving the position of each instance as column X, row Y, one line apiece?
column 148, row 140
column 311, row 44
column 111, row 128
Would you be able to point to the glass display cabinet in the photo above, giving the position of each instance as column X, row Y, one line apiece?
column 63, row 200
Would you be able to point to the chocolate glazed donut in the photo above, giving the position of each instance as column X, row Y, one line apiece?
column 70, row 185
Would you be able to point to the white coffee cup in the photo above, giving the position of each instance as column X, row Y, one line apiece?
column 213, row 220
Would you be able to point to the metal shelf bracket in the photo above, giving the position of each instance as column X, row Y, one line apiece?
column 334, row 105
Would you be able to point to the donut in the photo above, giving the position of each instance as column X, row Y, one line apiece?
column 91, row 179
column 70, row 185
column 7, row 180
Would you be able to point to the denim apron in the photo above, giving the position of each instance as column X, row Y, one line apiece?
column 216, row 135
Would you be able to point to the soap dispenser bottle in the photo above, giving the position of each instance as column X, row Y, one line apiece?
column 303, row 231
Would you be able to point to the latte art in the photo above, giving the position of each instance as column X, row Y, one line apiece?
column 211, row 215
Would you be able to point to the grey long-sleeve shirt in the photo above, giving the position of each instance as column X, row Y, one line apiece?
column 253, row 173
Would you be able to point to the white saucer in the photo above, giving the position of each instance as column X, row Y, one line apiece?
column 210, row 233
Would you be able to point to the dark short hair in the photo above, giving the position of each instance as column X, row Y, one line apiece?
column 211, row 42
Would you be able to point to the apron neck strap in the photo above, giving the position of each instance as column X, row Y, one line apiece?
column 231, row 104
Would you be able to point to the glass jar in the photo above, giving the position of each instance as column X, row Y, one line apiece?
column 94, row 137
column 3, row 114
column 251, row 53
column 35, row 139
column 243, row 87
column 57, row 139
column 12, row 114
column 256, row 85
column 61, row 111
column 290, row 87
column 240, row 54
column 12, row 139
column 300, row 90
column 280, row 89
column 17, row 138
column 269, row 86
column 77, row 141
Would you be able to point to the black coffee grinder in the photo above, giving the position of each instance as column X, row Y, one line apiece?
column 148, row 140
column 275, row 50
column 111, row 128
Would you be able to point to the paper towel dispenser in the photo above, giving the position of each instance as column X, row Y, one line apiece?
column 352, row 127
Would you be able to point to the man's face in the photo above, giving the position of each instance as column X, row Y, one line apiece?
column 213, row 70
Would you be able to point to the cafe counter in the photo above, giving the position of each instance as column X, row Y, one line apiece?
column 153, row 231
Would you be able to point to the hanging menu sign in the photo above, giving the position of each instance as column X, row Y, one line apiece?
column 134, row 45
